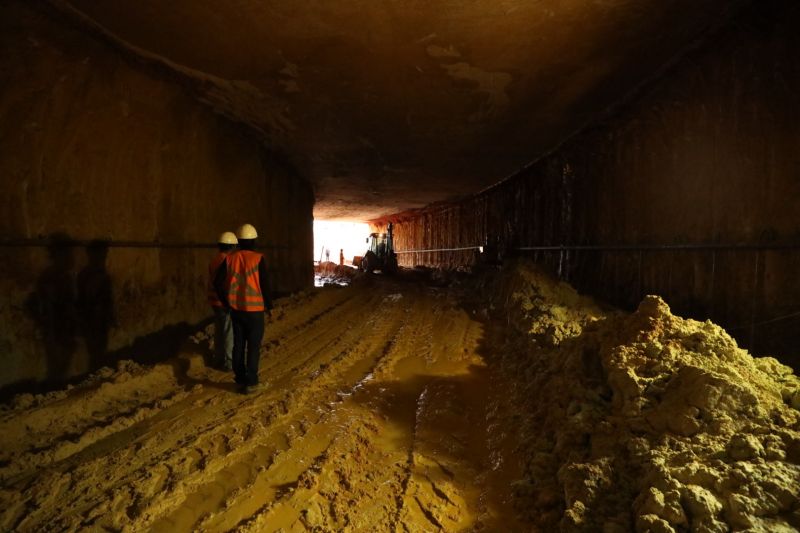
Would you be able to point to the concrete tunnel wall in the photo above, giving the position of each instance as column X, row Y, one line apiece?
column 93, row 146
column 708, row 153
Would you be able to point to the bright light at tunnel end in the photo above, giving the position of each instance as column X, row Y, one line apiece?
column 336, row 235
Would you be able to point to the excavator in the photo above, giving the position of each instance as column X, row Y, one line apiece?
column 380, row 254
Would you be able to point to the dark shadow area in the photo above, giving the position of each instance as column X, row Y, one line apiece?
column 159, row 346
column 167, row 345
column 181, row 366
column 96, row 303
column 53, row 307
column 162, row 346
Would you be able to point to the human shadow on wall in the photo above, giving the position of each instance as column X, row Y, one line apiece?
column 96, row 303
column 66, row 307
column 53, row 307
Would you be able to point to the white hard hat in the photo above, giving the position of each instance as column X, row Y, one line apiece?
column 227, row 238
column 246, row 231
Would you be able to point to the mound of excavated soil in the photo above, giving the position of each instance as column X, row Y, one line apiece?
column 645, row 420
column 329, row 273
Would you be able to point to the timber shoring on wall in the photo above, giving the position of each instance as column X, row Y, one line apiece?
column 688, row 191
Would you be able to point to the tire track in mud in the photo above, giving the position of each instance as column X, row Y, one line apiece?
column 160, row 452
column 240, row 428
column 422, row 352
column 422, row 500
column 295, row 505
column 375, row 475
column 352, row 433
column 78, row 427
column 299, row 412
column 22, row 457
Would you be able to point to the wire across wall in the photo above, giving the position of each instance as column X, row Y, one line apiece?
column 110, row 243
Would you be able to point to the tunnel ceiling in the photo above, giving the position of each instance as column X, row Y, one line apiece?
column 387, row 105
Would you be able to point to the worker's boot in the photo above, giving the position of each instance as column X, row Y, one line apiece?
column 258, row 387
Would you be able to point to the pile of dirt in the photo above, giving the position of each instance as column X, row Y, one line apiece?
column 548, row 311
column 644, row 421
column 329, row 273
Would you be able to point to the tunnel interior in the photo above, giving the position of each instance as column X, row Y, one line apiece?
column 592, row 317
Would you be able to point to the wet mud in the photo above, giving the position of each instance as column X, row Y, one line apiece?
column 501, row 401
column 376, row 418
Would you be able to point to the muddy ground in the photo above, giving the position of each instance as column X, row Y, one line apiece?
column 501, row 402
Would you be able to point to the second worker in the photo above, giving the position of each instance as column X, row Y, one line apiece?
column 241, row 284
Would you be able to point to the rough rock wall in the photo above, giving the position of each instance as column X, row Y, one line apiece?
column 707, row 154
column 93, row 147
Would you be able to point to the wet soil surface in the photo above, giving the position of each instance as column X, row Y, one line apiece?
column 401, row 404
column 382, row 413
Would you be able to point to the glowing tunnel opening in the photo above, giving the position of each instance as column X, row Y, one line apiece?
column 335, row 236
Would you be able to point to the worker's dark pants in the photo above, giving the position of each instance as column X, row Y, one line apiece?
column 248, row 329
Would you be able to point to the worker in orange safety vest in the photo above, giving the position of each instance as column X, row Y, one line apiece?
column 223, row 328
column 241, row 285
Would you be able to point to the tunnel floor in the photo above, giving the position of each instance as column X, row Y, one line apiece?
column 502, row 401
column 376, row 417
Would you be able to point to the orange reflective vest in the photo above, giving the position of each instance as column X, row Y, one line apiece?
column 243, row 282
column 212, row 272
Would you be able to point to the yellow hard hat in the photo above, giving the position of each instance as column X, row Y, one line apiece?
column 227, row 238
column 246, row 231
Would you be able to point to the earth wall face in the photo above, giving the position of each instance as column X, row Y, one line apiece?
column 115, row 186
column 707, row 154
